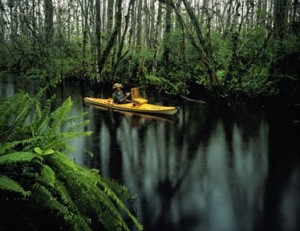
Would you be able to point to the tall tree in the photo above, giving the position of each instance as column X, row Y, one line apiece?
column 139, row 25
column 110, row 17
column 120, row 56
column 112, row 39
column 2, row 24
column 85, row 26
column 204, row 52
column 98, row 30
column 48, row 20
column 166, row 55
column 280, row 18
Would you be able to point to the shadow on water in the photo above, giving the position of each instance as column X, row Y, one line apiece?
column 209, row 171
column 214, row 168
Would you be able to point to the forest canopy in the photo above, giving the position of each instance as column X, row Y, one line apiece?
column 244, row 48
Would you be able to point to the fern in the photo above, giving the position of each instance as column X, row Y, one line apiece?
column 17, row 118
column 15, row 157
column 48, row 174
column 33, row 166
column 59, row 116
column 26, row 144
column 87, row 182
column 45, row 200
column 9, row 107
column 8, row 184
column 41, row 120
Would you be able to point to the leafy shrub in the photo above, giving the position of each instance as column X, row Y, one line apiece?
column 40, row 187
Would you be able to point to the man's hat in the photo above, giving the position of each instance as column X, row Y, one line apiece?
column 117, row 85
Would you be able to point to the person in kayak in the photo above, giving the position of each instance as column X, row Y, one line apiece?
column 118, row 95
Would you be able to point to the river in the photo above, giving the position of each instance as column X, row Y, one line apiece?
column 212, row 168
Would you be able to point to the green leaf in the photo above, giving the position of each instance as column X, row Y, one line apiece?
column 15, row 157
column 9, row 184
column 49, row 151
column 48, row 174
column 38, row 150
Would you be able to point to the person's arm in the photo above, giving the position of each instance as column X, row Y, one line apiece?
column 126, row 96
column 120, row 98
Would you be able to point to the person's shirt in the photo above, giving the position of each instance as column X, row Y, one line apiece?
column 118, row 96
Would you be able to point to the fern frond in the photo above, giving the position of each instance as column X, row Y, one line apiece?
column 59, row 140
column 31, row 152
column 122, row 206
column 27, row 145
column 40, row 122
column 10, row 107
column 17, row 118
column 61, row 163
column 13, row 158
column 11, row 185
column 75, row 122
column 107, row 200
column 84, row 182
column 98, row 201
column 59, row 116
column 73, row 220
column 48, row 175
column 117, row 187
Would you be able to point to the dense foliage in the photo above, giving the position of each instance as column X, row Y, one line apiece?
column 226, row 48
column 41, row 188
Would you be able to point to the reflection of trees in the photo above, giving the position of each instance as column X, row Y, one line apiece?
column 281, row 202
column 149, row 170
column 188, row 176
column 207, row 173
column 103, row 143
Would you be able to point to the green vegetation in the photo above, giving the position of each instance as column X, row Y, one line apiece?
column 40, row 187
column 235, row 49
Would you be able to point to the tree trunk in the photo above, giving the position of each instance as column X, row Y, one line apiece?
column 182, row 38
column 84, row 10
column 2, row 24
column 13, row 24
column 166, row 55
column 48, row 21
column 152, row 25
column 139, row 26
column 131, row 40
column 103, row 14
column 110, row 17
column 156, row 38
column 146, row 21
column 280, row 18
column 121, row 44
column 205, row 55
column 98, row 32
column 113, row 38
column 228, row 19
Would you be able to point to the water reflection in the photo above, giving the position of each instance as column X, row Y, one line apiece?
column 7, row 87
column 290, row 203
column 212, row 169
column 189, row 177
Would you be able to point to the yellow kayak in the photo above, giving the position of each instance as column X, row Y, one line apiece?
column 144, row 107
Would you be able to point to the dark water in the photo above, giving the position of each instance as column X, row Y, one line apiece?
column 213, row 168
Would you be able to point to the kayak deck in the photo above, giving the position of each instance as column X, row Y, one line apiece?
column 133, row 107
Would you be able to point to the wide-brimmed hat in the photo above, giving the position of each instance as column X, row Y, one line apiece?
column 117, row 85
